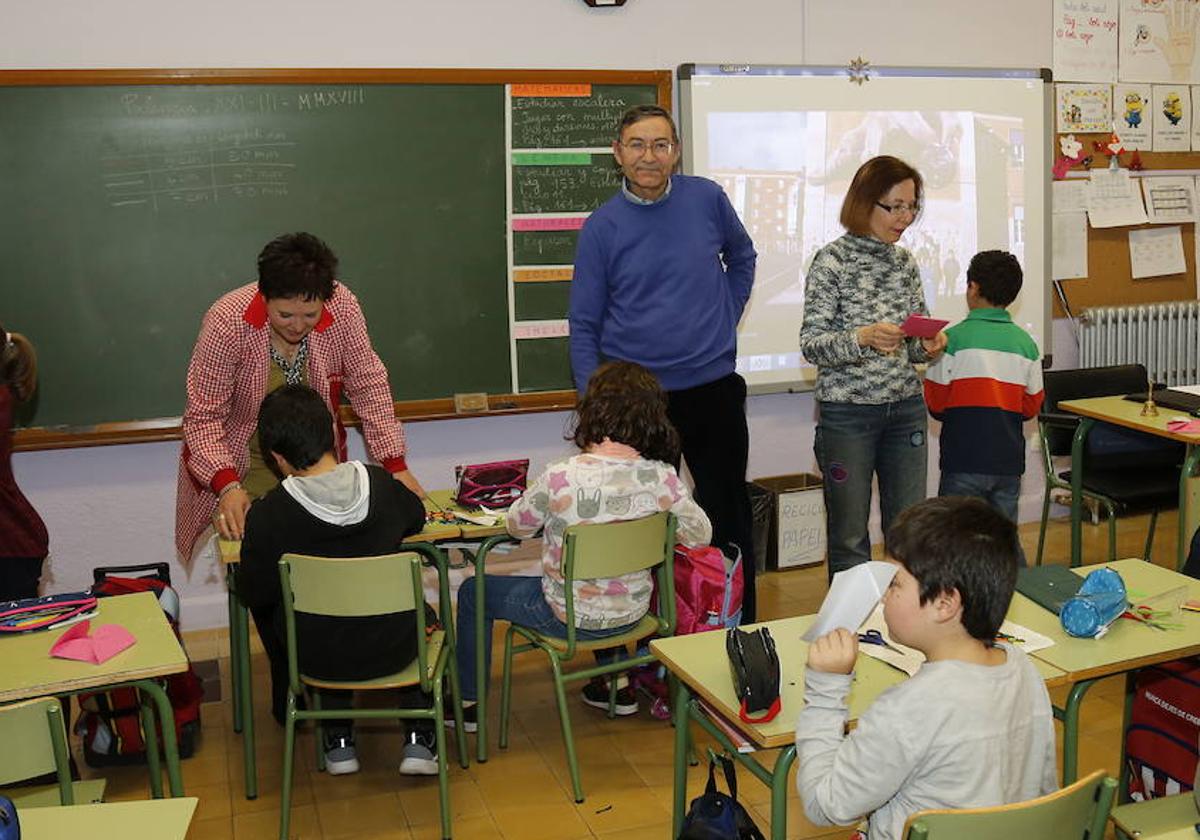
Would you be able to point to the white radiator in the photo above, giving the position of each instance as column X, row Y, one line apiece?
column 1165, row 337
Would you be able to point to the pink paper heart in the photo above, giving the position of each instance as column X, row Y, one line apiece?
column 106, row 642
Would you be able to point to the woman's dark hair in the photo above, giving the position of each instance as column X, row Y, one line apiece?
column 294, row 422
column 18, row 364
column 871, row 183
column 297, row 265
column 625, row 404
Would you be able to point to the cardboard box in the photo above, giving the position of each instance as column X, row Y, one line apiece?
column 797, row 531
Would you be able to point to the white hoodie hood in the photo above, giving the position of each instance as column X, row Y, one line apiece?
column 341, row 496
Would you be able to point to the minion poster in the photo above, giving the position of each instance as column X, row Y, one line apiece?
column 1172, row 118
column 1083, row 109
column 1132, row 117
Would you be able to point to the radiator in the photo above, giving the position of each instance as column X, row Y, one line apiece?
column 1165, row 337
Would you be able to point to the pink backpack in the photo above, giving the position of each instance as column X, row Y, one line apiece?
column 708, row 589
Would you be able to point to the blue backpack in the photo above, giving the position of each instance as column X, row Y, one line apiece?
column 10, row 826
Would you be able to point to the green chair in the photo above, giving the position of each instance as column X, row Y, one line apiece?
column 603, row 550
column 365, row 586
column 1077, row 812
column 1165, row 818
column 35, row 744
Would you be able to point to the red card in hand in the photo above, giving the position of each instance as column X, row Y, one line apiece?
column 922, row 326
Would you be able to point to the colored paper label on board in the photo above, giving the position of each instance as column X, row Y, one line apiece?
column 551, row 159
column 542, row 275
column 556, row 223
column 551, row 90
column 541, row 329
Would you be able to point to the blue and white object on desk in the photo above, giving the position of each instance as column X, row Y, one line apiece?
column 1097, row 604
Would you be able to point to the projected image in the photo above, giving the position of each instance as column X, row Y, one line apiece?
column 786, row 173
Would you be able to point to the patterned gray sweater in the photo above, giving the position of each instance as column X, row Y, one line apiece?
column 855, row 281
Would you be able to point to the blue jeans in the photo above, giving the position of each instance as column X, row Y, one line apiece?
column 1000, row 491
column 855, row 443
column 520, row 601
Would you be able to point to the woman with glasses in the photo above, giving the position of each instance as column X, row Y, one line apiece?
column 871, row 414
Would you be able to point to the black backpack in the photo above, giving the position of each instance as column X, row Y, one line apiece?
column 715, row 816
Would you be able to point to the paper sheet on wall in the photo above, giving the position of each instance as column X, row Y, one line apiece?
column 1069, row 196
column 1085, row 40
column 1172, row 118
column 1157, row 41
column 1070, row 245
column 1155, row 252
column 1114, row 199
column 1132, row 115
column 1170, row 199
column 1083, row 108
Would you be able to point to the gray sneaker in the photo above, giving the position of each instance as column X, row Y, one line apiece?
column 341, row 758
column 420, row 758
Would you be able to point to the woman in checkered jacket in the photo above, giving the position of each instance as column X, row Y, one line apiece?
column 297, row 324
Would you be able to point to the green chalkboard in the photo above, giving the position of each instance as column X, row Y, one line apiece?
column 133, row 201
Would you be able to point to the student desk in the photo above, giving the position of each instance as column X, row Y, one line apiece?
column 28, row 671
column 239, row 629
column 159, row 819
column 488, row 537
column 1127, row 413
column 1126, row 647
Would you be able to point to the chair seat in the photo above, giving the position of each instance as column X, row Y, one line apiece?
column 1145, row 489
column 1166, row 818
column 400, row 679
column 87, row 792
column 648, row 626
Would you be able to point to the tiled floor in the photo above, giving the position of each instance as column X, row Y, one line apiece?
column 523, row 793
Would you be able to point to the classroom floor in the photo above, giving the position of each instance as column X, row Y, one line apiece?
column 523, row 793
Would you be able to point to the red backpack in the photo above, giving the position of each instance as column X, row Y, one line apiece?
column 110, row 721
column 1160, row 744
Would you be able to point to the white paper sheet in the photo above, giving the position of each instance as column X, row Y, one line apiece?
column 1156, row 41
column 1132, row 115
column 1085, row 40
column 1170, row 198
column 1154, row 252
column 1069, row 196
column 1070, row 245
column 851, row 597
column 1172, row 118
column 1114, row 199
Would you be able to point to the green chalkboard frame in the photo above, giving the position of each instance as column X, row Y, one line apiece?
column 168, row 428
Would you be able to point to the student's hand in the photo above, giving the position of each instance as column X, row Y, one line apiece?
column 934, row 346
column 409, row 480
column 884, row 337
column 834, row 653
column 230, row 518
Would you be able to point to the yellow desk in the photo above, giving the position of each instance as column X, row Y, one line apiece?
column 155, row 819
column 488, row 536
column 239, row 630
column 1127, row 413
column 1126, row 647
column 28, row 671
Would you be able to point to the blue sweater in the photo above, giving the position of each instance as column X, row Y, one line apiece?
column 662, row 284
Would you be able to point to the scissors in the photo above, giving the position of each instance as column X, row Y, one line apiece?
column 874, row 637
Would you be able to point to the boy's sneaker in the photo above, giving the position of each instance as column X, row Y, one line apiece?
column 470, row 719
column 595, row 694
column 340, row 756
column 420, row 756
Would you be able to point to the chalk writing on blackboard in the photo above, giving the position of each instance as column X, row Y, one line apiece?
column 550, row 189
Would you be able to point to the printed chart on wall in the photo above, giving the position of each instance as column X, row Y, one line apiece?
column 561, row 169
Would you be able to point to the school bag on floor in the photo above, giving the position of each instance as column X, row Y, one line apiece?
column 110, row 721
column 1160, row 744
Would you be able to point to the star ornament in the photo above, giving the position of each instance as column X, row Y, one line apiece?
column 860, row 70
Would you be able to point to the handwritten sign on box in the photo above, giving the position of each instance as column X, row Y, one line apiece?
column 798, row 521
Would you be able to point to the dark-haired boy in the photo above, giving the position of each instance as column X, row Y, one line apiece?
column 983, row 388
column 973, row 727
column 326, row 509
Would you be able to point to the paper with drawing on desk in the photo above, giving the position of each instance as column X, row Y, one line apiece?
column 851, row 597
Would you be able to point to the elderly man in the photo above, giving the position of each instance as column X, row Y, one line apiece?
column 662, row 273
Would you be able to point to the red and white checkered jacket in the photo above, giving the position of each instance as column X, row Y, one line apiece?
column 226, row 382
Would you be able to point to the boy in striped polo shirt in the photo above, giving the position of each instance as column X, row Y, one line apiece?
column 983, row 388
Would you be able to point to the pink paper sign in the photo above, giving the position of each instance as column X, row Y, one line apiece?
column 922, row 326
column 100, row 646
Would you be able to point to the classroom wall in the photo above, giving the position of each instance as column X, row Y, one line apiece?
column 110, row 505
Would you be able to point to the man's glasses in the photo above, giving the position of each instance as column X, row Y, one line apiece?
column 899, row 209
column 660, row 148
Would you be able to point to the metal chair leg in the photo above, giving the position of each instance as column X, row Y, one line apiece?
column 1042, row 530
column 564, row 718
column 1150, row 535
column 505, row 688
column 289, row 757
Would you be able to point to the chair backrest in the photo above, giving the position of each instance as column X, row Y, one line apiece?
column 1077, row 812
column 35, row 744
column 1080, row 384
column 348, row 587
